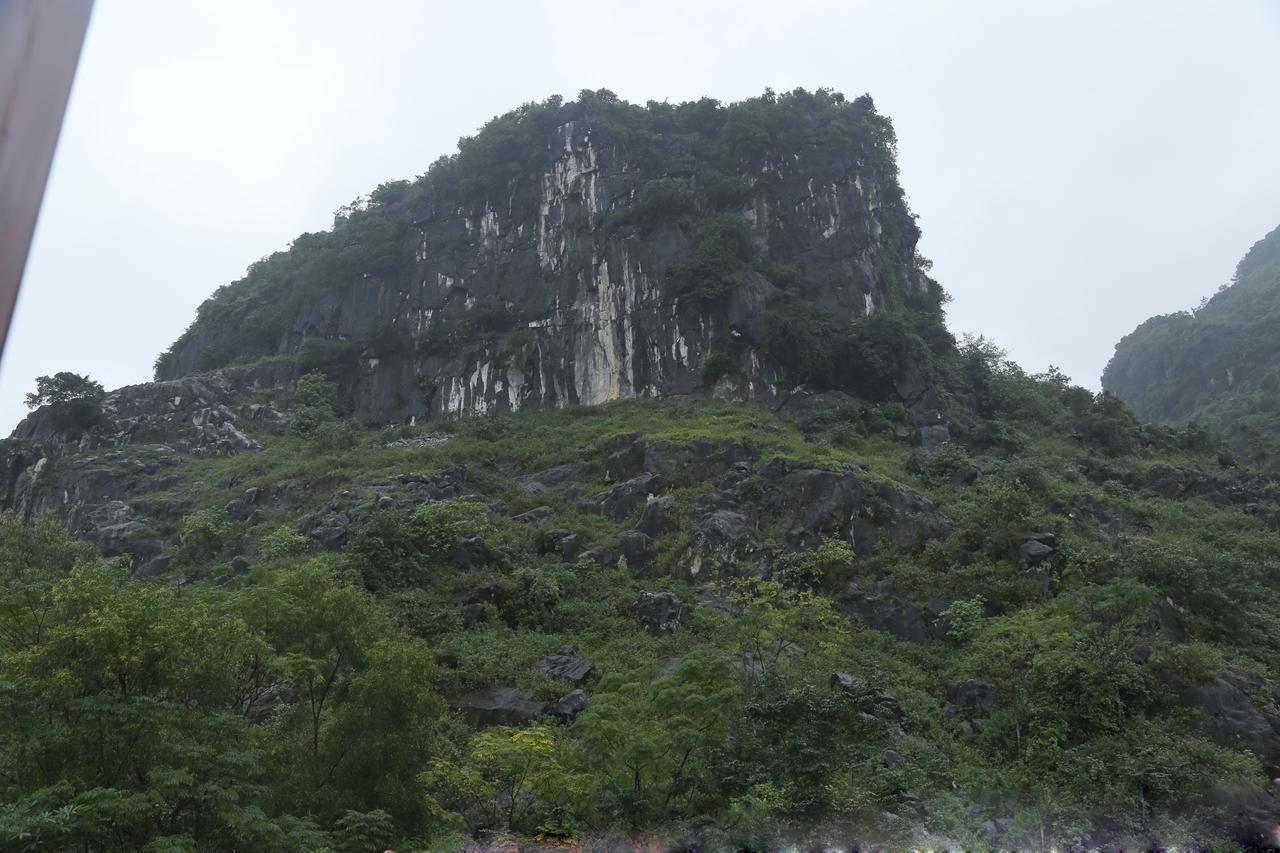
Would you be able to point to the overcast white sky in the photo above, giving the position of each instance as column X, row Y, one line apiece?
column 1076, row 166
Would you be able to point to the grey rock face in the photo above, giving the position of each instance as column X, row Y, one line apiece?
column 656, row 518
column 264, row 702
column 817, row 502
column 567, row 666
column 1230, row 719
column 633, row 546
column 975, row 693
column 622, row 500
column 568, row 706
column 882, row 610
column 535, row 516
column 592, row 315
column 659, row 612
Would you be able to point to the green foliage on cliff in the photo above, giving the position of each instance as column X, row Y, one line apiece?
column 1219, row 365
column 75, row 401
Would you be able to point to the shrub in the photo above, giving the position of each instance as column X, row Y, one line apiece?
column 202, row 533
column 720, row 254
column 329, row 357
column 798, row 335
column 439, row 526
column 282, row 542
column 717, row 364
column 830, row 564
column 75, row 401
column 530, row 598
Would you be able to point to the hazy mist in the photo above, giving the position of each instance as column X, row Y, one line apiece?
column 1076, row 166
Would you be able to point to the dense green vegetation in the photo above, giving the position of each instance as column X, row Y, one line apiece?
column 1219, row 365
column 300, row 704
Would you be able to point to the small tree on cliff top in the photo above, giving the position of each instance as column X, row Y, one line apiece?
column 75, row 401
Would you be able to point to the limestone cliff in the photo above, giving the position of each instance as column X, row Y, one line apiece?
column 562, row 257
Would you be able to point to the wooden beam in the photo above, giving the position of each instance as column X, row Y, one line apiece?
column 40, row 44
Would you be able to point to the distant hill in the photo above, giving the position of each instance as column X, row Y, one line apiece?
column 1218, row 365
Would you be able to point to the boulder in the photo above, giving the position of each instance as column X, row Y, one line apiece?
column 570, row 548
column 550, row 541
column 1230, row 719
column 157, row 565
column 883, row 611
column 722, row 527
column 634, row 547
column 600, row 557
column 535, row 516
column 568, row 706
column 549, row 480
column 567, row 666
column 932, row 437
column 656, row 518
column 1250, row 814
column 485, row 593
column 267, row 698
column 472, row 614
column 815, row 502
column 625, row 498
column 709, row 597
column 977, row 694
column 1034, row 552
column 658, row 612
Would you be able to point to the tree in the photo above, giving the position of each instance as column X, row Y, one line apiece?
column 75, row 401
column 647, row 740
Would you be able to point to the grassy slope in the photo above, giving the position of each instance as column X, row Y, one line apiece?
column 1094, row 614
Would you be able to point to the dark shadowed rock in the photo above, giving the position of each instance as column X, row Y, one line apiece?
column 633, row 546
column 622, row 500
column 1230, row 719
column 932, row 437
column 813, row 502
column 1033, row 553
column 977, row 694
column 472, row 614
column 710, row 597
column 550, row 541
column 157, row 565
column 549, row 480
column 487, row 592
column 598, row 556
column 656, row 518
column 1250, row 814
column 658, row 612
column 883, row 611
column 568, row 706
column 264, row 702
column 567, row 666
column 112, row 527
column 236, row 509
column 535, row 516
